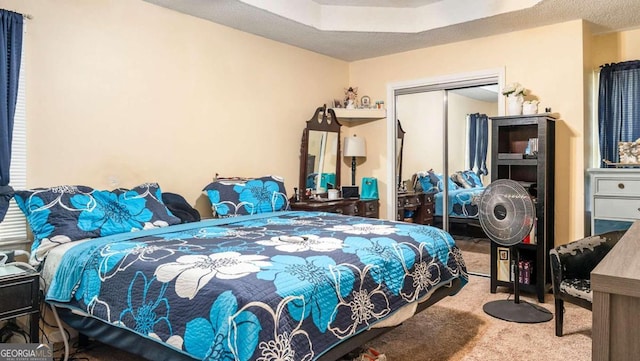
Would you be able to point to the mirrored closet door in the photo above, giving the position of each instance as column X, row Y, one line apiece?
column 447, row 132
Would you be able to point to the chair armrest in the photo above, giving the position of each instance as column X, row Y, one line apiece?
column 556, row 271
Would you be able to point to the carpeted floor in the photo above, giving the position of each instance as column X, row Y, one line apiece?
column 476, row 253
column 456, row 328
column 470, row 334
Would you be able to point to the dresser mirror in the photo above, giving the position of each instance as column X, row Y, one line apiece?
column 399, row 144
column 320, row 153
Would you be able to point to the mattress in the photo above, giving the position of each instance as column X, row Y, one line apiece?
column 250, row 286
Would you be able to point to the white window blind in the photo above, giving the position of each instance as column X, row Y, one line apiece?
column 13, row 228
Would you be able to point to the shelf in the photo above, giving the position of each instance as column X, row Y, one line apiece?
column 349, row 115
column 517, row 162
column 528, row 246
column 510, row 139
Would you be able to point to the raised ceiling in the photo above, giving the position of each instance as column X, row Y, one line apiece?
column 358, row 29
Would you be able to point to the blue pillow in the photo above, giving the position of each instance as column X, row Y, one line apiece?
column 69, row 213
column 432, row 182
column 467, row 179
column 236, row 197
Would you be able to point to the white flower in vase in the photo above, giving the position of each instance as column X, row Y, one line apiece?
column 515, row 96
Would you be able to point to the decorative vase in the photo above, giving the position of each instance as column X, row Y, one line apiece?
column 529, row 108
column 514, row 105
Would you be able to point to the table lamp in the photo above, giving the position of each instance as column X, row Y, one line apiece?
column 354, row 147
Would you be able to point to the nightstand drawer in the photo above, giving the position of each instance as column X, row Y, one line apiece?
column 408, row 202
column 622, row 186
column 616, row 208
column 18, row 296
column 369, row 208
column 348, row 209
column 428, row 198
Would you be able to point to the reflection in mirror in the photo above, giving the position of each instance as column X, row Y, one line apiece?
column 321, row 160
column 423, row 117
column 319, row 153
column 399, row 145
column 422, row 148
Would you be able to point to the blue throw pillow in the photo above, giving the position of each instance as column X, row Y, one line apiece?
column 69, row 213
column 236, row 197
column 467, row 179
column 433, row 182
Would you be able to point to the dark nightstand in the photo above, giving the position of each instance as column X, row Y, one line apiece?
column 416, row 207
column 20, row 296
column 351, row 207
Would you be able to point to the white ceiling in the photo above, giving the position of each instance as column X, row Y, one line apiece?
column 360, row 29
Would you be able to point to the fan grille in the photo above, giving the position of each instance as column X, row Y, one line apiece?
column 506, row 212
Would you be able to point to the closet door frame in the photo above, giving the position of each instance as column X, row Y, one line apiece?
column 445, row 82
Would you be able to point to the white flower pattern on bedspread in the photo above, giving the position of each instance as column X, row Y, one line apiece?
column 305, row 242
column 363, row 306
column 281, row 287
column 194, row 272
column 364, row 228
column 279, row 345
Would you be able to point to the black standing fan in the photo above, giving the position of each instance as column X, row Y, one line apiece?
column 506, row 215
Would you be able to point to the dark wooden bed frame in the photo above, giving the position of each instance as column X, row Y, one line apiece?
column 127, row 340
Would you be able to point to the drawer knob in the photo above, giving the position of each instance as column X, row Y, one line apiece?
column 621, row 185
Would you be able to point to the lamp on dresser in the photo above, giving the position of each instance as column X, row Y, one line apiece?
column 354, row 147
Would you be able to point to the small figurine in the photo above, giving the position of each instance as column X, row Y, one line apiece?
column 350, row 97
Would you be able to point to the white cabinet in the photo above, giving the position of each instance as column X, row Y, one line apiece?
column 614, row 196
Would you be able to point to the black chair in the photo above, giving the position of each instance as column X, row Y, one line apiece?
column 571, row 266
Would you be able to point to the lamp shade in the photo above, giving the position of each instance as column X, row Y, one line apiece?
column 354, row 147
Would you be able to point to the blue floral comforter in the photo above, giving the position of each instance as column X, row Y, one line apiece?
column 283, row 286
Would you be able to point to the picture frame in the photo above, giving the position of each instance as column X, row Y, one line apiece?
column 365, row 101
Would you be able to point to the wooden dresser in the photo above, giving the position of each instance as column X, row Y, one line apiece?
column 351, row 207
column 415, row 207
column 614, row 197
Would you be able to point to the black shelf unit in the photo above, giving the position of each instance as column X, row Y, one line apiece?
column 511, row 134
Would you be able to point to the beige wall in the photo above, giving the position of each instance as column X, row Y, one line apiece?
column 127, row 92
column 615, row 47
column 421, row 114
column 547, row 60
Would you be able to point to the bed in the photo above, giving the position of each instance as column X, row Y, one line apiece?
column 269, row 286
column 464, row 191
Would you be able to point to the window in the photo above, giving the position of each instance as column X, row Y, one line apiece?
column 13, row 228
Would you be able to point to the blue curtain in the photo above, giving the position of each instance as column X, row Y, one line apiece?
column 618, row 107
column 478, row 143
column 11, row 51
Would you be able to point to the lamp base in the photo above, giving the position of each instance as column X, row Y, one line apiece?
column 353, row 171
column 522, row 312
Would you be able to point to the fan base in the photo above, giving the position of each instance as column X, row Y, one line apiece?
column 522, row 312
